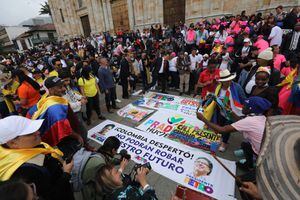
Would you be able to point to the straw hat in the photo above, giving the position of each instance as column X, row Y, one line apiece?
column 225, row 75
column 278, row 165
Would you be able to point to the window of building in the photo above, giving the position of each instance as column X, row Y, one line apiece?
column 62, row 16
column 38, row 36
column 50, row 36
column 80, row 3
column 29, row 41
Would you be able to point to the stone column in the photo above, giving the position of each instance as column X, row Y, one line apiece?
column 131, row 15
column 55, row 16
column 109, row 16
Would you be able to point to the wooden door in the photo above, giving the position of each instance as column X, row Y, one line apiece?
column 174, row 11
column 120, row 17
column 86, row 25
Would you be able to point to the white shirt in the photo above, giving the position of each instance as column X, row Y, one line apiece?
column 161, row 70
column 195, row 59
column 275, row 36
column 172, row 64
column 225, row 60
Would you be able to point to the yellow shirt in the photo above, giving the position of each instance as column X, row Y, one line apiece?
column 40, row 81
column 89, row 86
column 53, row 73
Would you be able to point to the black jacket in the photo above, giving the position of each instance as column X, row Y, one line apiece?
column 158, row 66
column 50, row 180
column 125, row 69
column 286, row 42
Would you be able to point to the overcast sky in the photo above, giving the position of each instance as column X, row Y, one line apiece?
column 13, row 12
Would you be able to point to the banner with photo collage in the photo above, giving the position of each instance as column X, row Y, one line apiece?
column 185, row 165
column 158, row 101
column 134, row 113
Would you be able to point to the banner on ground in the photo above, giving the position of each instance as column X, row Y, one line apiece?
column 134, row 113
column 182, row 129
column 187, row 166
column 183, row 105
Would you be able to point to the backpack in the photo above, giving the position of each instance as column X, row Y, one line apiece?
column 81, row 157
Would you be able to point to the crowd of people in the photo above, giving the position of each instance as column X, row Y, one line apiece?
column 243, row 68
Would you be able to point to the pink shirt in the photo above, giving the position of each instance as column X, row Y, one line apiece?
column 261, row 44
column 286, row 70
column 252, row 128
column 278, row 60
column 229, row 40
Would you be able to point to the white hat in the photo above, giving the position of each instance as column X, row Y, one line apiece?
column 14, row 126
column 225, row 75
column 267, row 54
column 246, row 40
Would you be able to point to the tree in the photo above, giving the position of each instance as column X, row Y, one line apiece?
column 45, row 9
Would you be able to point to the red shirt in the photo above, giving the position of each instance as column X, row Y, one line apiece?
column 206, row 76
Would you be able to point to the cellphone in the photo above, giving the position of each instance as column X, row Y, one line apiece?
column 69, row 158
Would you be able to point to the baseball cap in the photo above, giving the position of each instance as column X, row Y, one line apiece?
column 14, row 126
column 52, row 82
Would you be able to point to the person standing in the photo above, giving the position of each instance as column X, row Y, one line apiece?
column 107, row 85
column 90, row 89
column 275, row 36
column 195, row 60
column 291, row 43
column 163, row 66
column 183, row 66
column 124, row 75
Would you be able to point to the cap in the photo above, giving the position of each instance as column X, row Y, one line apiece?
column 52, row 82
column 257, row 105
column 246, row 40
column 267, row 54
column 14, row 126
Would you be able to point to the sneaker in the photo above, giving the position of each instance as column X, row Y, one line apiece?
column 239, row 153
column 243, row 166
column 101, row 117
column 118, row 101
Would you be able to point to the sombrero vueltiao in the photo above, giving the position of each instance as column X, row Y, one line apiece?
column 278, row 165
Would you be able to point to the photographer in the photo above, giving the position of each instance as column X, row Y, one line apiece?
column 87, row 164
column 113, row 183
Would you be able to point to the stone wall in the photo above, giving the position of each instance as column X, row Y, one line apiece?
column 143, row 13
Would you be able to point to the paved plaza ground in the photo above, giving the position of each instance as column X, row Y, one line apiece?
column 164, row 187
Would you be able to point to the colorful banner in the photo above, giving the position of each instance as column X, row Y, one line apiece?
column 134, row 113
column 182, row 129
column 182, row 105
column 187, row 166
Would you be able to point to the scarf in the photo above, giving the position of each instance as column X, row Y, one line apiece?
column 12, row 159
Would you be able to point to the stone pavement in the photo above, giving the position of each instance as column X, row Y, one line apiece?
column 164, row 187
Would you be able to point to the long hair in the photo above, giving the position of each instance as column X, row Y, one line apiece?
column 86, row 73
column 23, row 77
column 110, row 143
column 103, row 179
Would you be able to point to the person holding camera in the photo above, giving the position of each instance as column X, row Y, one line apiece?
column 113, row 184
column 87, row 164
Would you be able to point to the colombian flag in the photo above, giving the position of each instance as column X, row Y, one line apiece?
column 54, row 111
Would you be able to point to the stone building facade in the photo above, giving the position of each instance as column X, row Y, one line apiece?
column 85, row 17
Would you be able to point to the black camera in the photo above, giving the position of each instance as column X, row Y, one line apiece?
column 123, row 153
column 146, row 165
